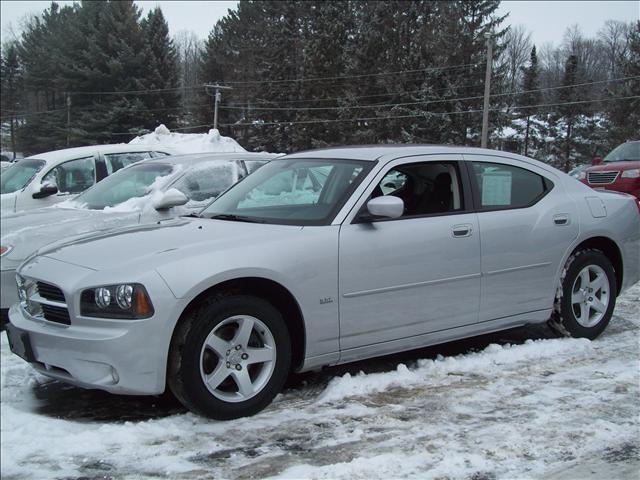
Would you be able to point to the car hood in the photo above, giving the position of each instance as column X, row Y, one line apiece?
column 149, row 245
column 29, row 231
column 614, row 166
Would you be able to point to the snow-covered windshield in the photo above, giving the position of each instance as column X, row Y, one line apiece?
column 18, row 175
column 626, row 151
column 123, row 185
column 292, row 192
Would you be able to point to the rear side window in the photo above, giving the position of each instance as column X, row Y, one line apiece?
column 116, row 161
column 505, row 186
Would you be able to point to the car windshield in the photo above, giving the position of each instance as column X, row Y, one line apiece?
column 291, row 192
column 627, row 151
column 18, row 175
column 127, row 183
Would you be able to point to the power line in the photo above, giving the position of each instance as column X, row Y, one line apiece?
column 420, row 115
column 423, row 102
column 340, row 77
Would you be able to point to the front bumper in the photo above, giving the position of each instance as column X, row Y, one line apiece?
column 119, row 359
column 119, row 356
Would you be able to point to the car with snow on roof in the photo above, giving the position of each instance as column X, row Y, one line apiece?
column 51, row 177
column 397, row 248
column 145, row 191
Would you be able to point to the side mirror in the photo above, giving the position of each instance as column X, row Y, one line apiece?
column 596, row 161
column 45, row 190
column 386, row 207
column 171, row 198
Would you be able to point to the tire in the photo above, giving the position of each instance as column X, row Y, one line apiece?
column 585, row 302
column 229, row 357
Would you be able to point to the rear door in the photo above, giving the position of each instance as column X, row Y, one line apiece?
column 527, row 222
column 416, row 274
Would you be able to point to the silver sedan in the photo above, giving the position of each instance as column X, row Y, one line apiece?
column 326, row 257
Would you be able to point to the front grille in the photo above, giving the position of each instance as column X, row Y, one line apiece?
column 56, row 314
column 50, row 292
column 602, row 178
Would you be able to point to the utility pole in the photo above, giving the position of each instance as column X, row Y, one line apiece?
column 68, row 118
column 216, row 100
column 487, row 90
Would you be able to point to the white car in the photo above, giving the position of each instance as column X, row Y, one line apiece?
column 51, row 177
column 145, row 192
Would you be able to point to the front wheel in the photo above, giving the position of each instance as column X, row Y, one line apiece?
column 588, row 296
column 230, row 357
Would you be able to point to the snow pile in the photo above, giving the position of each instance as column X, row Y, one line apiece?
column 490, row 361
column 189, row 142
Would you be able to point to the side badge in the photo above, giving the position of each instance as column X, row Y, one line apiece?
column 325, row 300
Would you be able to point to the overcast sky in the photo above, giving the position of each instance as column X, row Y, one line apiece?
column 547, row 20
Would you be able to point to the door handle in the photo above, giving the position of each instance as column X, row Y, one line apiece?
column 561, row 219
column 462, row 230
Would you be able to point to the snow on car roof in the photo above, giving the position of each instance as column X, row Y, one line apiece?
column 79, row 152
column 200, row 157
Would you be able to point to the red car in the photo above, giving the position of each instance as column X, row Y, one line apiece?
column 619, row 171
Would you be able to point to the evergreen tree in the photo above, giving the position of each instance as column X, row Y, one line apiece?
column 569, row 110
column 162, row 71
column 531, row 94
column 11, row 86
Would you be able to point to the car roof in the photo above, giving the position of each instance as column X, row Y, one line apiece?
column 55, row 156
column 211, row 156
column 387, row 151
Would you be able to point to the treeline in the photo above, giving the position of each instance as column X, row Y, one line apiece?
column 311, row 74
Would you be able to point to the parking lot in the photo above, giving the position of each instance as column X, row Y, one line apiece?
column 517, row 404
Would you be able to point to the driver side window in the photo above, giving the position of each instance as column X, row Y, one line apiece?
column 74, row 176
column 428, row 188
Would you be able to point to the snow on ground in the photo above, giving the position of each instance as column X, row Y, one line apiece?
column 189, row 142
column 510, row 405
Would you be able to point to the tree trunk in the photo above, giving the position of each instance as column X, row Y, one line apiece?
column 526, row 137
column 13, row 137
column 567, row 161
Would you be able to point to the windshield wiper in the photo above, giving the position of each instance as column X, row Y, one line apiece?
column 236, row 218
column 192, row 215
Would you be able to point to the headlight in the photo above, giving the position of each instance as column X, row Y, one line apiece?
column 126, row 301
column 4, row 249
column 633, row 173
column 582, row 175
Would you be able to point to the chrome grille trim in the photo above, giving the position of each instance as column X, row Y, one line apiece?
column 602, row 178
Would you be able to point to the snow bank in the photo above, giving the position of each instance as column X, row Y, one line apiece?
column 488, row 362
column 189, row 142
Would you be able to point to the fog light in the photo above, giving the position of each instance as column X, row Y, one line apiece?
column 103, row 297
column 124, row 296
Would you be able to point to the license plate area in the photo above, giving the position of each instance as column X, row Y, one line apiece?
column 20, row 344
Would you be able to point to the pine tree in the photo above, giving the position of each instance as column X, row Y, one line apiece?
column 531, row 94
column 162, row 71
column 569, row 110
column 10, row 84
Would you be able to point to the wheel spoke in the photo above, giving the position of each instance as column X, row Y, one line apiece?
column 584, row 278
column 218, row 345
column 582, row 318
column 245, row 327
column 217, row 376
column 577, row 297
column 598, row 282
column 598, row 305
column 242, row 379
column 260, row 355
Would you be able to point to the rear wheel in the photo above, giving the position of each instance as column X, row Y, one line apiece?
column 230, row 357
column 588, row 296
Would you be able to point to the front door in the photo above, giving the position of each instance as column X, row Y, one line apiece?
column 416, row 274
